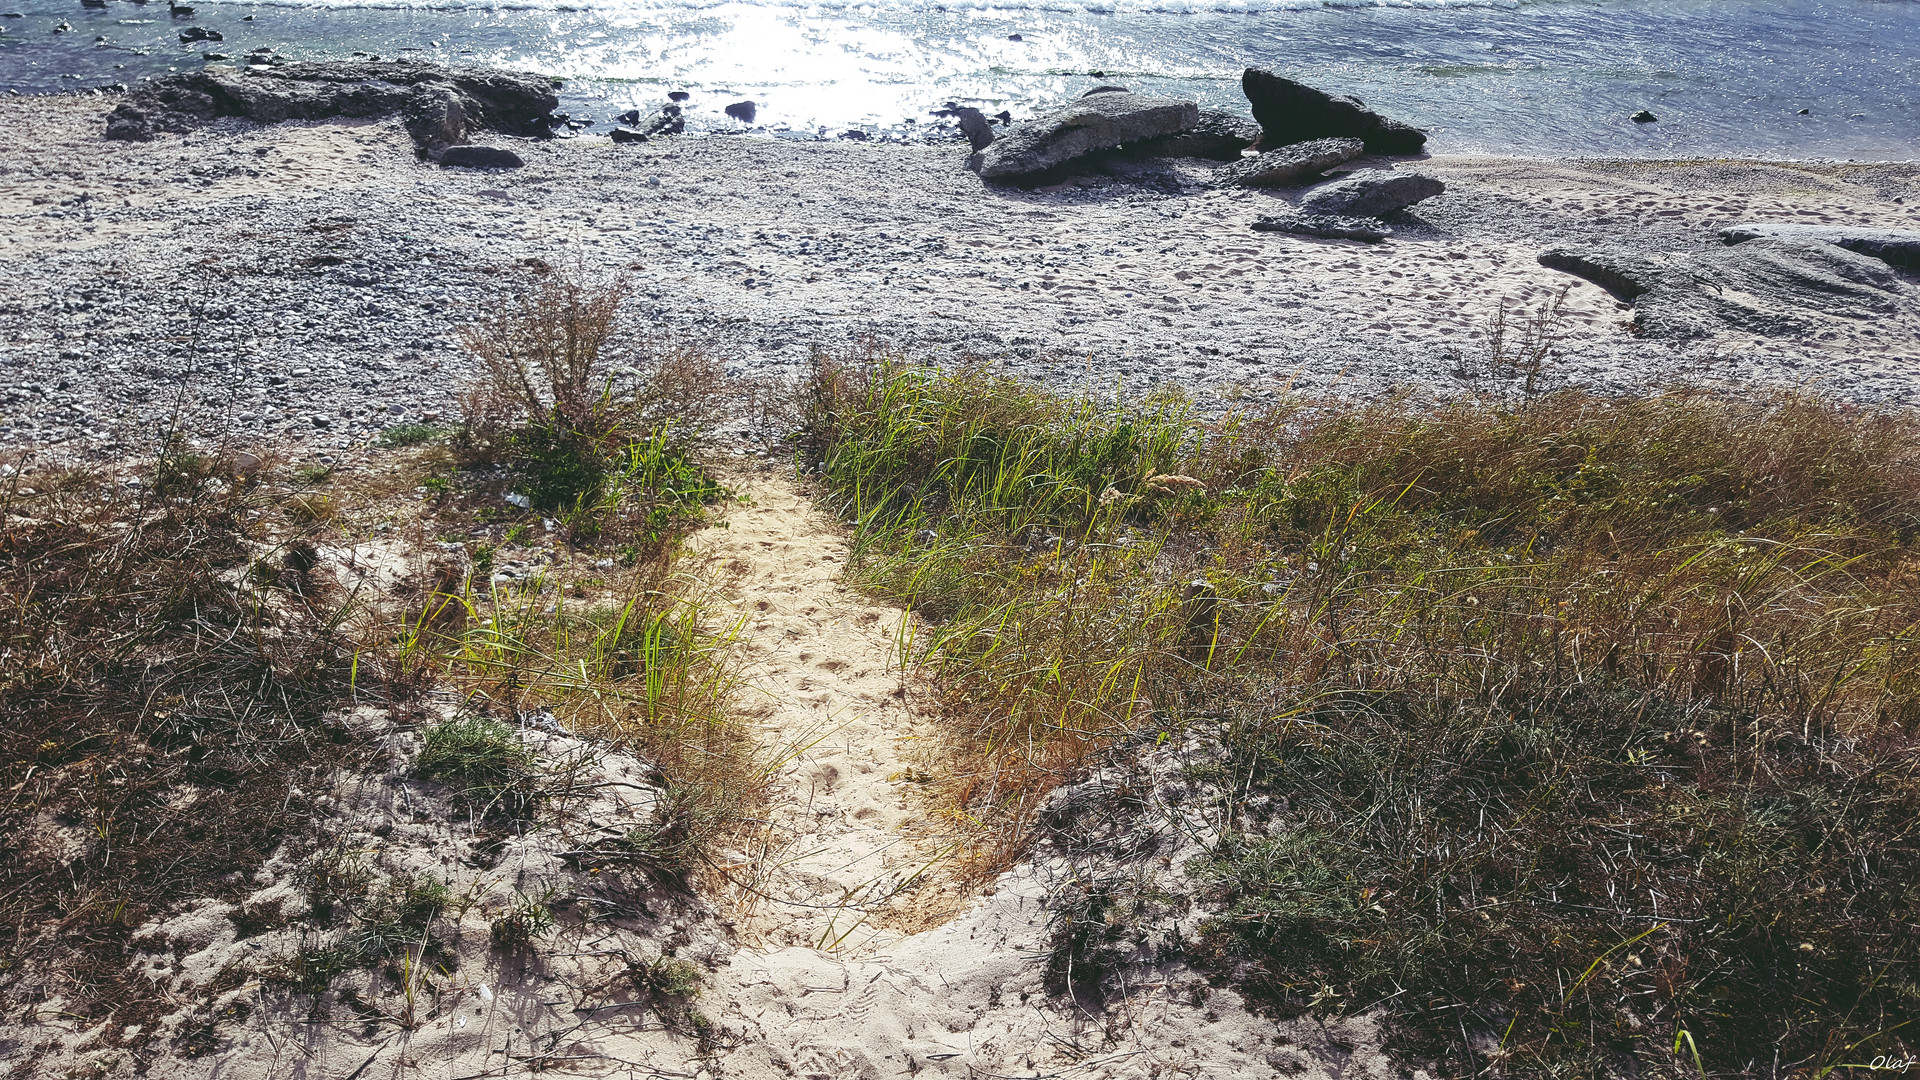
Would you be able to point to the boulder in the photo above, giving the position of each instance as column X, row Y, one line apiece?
column 1772, row 287
column 622, row 135
column 743, row 111
column 1898, row 247
column 1291, row 112
column 423, row 94
column 1291, row 164
column 668, row 122
column 975, row 126
column 1326, row 226
column 1627, row 276
column 1100, row 122
column 200, row 33
column 480, row 157
column 1219, row 136
column 1371, row 194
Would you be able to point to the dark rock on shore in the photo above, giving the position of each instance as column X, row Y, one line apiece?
column 1100, row 122
column 1291, row 164
column 1219, row 136
column 480, row 157
column 743, row 111
column 1775, row 287
column 1375, row 194
column 1326, row 226
column 622, row 135
column 1897, row 247
column 440, row 105
column 1291, row 112
column 975, row 126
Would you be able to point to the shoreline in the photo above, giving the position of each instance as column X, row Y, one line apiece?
column 335, row 267
column 933, row 135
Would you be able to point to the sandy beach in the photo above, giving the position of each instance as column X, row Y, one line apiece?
column 302, row 281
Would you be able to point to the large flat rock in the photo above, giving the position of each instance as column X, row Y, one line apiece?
column 1898, row 247
column 1374, row 193
column 441, row 104
column 1291, row 164
column 1100, row 121
column 1790, row 288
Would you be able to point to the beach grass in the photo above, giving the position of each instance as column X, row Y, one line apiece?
column 1591, row 723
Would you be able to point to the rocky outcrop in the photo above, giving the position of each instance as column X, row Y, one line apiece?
column 441, row 106
column 1291, row 164
column 1773, row 287
column 1219, row 136
column 1372, row 194
column 1326, row 226
column 1291, row 112
column 1098, row 122
column 1897, row 247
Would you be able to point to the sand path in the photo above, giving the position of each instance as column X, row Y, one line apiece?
column 848, row 858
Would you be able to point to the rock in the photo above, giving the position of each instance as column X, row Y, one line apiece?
column 480, row 157
column 1644, row 117
column 743, row 111
column 437, row 117
column 669, row 122
column 975, row 126
column 1219, row 136
column 1326, row 226
column 622, row 135
column 1290, row 164
column 1101, row 122
column 678, row 95
column 1374, row 194
column 1773, row 287
column 200, row 33
column 631, row 118
column 1627, row 277
column 501, row 101
column 1105, row 90
column 1898, row 247
column 1291, row 112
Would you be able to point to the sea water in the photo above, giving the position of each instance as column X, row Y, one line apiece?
column 1796, row 78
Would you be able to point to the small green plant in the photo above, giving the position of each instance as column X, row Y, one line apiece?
column 526, row 920
column 421, row 900
column 313, row 966
column 437, row 485
column 409, row 434
column 338, row 874
column 485, row 756
column 516, row 534
column 312, row 475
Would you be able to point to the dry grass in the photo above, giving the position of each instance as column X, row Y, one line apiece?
column 1592, row 722
column 169, row 660
column 178, row 652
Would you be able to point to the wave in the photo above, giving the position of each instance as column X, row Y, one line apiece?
column 988, row 7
